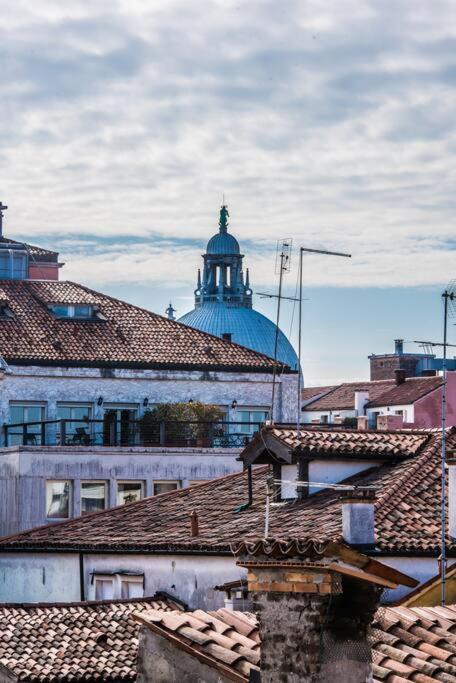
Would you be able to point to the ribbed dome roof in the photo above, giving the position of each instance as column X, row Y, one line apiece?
column 247, row 327
column 223, row 243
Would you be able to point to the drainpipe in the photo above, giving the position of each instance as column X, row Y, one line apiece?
column 81, row 576
column 244, row 506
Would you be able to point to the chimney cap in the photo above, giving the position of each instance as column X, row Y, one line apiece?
column 399, row 375
column 359, row 495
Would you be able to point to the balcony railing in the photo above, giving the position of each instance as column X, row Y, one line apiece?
column 112, row 432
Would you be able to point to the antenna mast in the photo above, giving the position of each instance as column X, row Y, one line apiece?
column 2, row 209
column 283, row 259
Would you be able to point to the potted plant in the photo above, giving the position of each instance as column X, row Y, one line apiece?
column 173, row 417
column 204, row 415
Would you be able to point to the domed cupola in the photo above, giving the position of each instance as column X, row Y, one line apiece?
column 223, row 300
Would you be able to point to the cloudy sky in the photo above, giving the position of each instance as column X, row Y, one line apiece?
column 329, row 121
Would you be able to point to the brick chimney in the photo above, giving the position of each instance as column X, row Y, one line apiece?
column 358, row 517
column 399, row 376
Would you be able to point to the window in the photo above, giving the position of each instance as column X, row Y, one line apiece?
column 129, row 491
column 131, row 587
column 30, row 434
column 119, row 424
column 58, row 495
column 255, row 417
column 13, row 264
column 104, row 588
column 115, row 585
column 93, row 496
column 324, row 419
column 80, row 311
column 165, row 486
column 77, row 432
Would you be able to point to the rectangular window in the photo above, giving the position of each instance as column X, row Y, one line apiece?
column 131, row 588
column 129, row 491
column 58, row 494
column 165, row 486
column 80, row 311
column 79, row 432
column 13, row 265
column 104, row 588
column 252, row 419
column 93, row 496
column 31, row 434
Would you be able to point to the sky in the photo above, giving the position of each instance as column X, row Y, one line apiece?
column 331, row 122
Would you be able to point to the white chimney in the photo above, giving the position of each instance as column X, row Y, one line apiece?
column 451, row 465
column 361, row 398
column 358, row 517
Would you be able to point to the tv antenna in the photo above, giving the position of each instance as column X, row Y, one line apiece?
column 428, row 346
column 282, row 266
column 306, row 250
column 2, row 209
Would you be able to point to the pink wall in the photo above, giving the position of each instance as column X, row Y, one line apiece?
column 428, row 410
column 43, row 272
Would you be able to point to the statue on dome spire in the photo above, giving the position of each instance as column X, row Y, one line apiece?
column 223, row 221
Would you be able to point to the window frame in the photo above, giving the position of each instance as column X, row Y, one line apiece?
column 70, row 499
column 12, row 255
column 141, row 482
column 102, row 482
column 117, row 578
column 166, row 481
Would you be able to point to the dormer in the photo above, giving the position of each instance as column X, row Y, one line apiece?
column 74, row 311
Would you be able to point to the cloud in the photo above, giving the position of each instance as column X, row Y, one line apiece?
column 329, row 122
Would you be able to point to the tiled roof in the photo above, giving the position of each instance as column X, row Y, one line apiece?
column 414, row 644
column 127, row 336
column 226, row 640
column 407, row 514
column 37, row 253
column 337, row 442
column 342, row 397
column 92, row 641
column 408, row 392
column 308, row 393
column 381, row 393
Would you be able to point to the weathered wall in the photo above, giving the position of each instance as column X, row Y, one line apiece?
column 85, row 385
column 309, row 415
column 25, row 470
column 333, row 471
column 162, row 662
column 428, row 410
column 39, row 577
column 383, row 367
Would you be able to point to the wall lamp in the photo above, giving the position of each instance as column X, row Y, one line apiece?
column 146, row 402
column 100, row 401
column 234, row 404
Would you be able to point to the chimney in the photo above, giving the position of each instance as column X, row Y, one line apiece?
column 363, row 423
column 358, row 517
column 398, row 347
column 451, row 466
column 399, row 375
column 361, row 398
column 194, row 523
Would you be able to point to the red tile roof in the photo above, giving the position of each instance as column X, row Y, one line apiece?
column 381, row 393
column 407, row 514
column 127, row 337
column 225, row 640
column 408, row 392
column 308, row 393
column 417, row 644
column 342, row 397
column 414, row 644
column 91, row 641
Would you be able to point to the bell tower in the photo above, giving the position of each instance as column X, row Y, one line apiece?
column 222, row 280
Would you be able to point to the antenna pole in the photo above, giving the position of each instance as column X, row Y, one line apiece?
column 276, row 340
column 2, row 209
column 298, row 420
column 445, row 295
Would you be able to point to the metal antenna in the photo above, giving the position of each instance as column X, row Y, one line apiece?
column 303, row 250
column 283, row 265
column 2, row 209
column 449, row 308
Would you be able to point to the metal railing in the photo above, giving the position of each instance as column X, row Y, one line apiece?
column 114, row 432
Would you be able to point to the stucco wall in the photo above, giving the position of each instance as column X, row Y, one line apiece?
column 39, row 577
column 428, row 410
column 86, row 385
column 25, row 470
column 420, row 568
column 331, row 472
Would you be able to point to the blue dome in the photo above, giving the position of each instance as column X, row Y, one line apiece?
column 223, row 243
column 247, row 327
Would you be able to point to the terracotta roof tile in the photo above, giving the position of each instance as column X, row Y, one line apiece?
column 127, row 336
column 408, row 392
column 37, row 253
column 407, row 512
column 73, row 642
column 202, row 633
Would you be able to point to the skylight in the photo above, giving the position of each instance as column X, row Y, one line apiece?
column 75, row 311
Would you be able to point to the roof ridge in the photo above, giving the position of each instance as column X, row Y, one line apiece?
column 82, row 603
